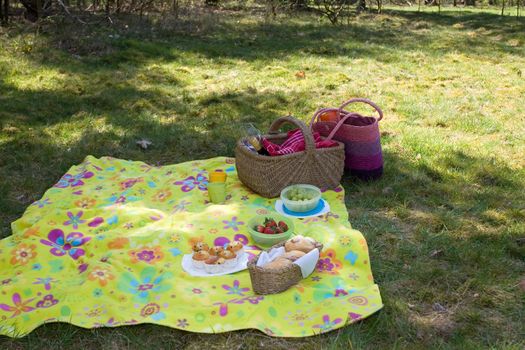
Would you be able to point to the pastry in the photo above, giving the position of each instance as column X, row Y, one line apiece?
column 199, row 258
column 293, row 255
column 229, row 256
column 211, row 260
column 214, row 265
column 200, row 246
column 216, row 250
column 236, row 247
column 304, row 244
column 278, row 264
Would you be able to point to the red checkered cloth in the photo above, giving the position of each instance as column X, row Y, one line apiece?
column 295, row 143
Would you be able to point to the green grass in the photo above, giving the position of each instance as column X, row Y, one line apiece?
column 452, row 88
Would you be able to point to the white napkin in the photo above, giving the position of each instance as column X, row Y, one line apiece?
column 307, row 262
column 265, row 257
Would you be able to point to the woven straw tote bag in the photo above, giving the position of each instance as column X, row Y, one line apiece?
column 360, row 135
column 267, row 176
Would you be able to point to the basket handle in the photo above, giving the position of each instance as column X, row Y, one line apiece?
column 307, row 133
column 341, row 122
column 364, row 100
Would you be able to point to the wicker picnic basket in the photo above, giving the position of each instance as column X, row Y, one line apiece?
column 271, row 281
column 267, row 176
column 359, row 133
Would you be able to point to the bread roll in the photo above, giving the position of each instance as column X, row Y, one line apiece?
column 278, row 264
column 304, row 244
column 293, row 255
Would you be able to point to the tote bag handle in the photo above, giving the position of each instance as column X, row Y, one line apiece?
column 364, row 100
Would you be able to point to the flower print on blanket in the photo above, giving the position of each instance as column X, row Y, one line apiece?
column 103, row 248
column 69, row 245
column 199, row 181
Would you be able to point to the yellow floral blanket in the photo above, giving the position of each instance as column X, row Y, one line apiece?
column 103, row 248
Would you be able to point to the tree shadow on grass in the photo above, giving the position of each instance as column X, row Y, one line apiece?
column 383, row 38
column 437, row 237
column 49, row 131
column 467, row 20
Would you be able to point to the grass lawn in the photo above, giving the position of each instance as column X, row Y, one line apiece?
column 443, row 222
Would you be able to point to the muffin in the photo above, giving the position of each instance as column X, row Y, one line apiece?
column 236, row 247
column 211, row 260
column 304, row 244
column 230, row 257
column 200, row 246
column 217, row 266
column 215, row 251
column 293, row 255
column 198, row 258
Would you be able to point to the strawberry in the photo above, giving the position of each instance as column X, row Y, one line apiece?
column 259, row 228
column 268, row 231
column 279, row 230
column 283, row 225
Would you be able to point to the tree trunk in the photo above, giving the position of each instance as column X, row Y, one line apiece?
column 38, row 9
column 299, row 4
column 379, row 6
column 361, row 5
column 503, row 7
column 455, row 3
column 175, row 8
column 470, row 2
column 2, row 20
column 6, row 11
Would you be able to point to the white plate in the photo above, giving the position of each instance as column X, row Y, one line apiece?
column 187, row 265
column 279, row 209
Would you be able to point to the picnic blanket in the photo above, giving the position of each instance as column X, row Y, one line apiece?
column 103, row 248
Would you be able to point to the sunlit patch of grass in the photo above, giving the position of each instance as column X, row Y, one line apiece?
column 451, row 86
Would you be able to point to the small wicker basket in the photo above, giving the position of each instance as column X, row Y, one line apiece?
column 270, row 282
column 267, row 176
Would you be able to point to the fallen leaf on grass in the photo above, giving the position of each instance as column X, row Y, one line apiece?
column 436, row 253
column 300, row 75
column 438, row 307
column 144, row 144
column 522, row 284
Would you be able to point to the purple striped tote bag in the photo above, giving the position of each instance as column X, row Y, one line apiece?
column 360, row 134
